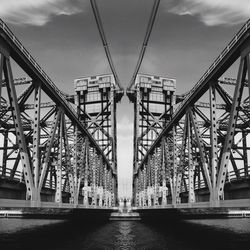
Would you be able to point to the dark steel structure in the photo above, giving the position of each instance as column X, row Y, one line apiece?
column 203, row 152
column 47, row 153
column 96, row 98
column 60, row 151
column 153, row 98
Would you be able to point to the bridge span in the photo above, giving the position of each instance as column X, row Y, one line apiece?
column 59, row 151
column 200, row 157
column 48, row 153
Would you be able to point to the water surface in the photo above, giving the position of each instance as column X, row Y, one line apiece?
column 62, row 234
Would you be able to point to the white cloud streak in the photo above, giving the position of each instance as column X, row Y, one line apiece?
column 213, row 12
column 36, row 12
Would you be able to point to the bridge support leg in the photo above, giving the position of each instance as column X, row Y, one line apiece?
column 164, row 193
column 36, row 142
column 191, row 194
column 144, row 192
column 58, row 197
column 31, row 194
column 231, row 126
column 85, row 194
column 173, row 192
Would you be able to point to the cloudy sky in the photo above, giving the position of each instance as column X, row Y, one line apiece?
column 62, row 36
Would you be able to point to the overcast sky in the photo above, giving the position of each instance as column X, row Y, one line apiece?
column 62, row 36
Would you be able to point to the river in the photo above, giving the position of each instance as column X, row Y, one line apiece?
column 188, row 234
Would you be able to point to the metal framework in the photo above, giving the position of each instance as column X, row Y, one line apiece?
column 96, row 98
column 154, row 99
column 46, row 153
column 202, row 154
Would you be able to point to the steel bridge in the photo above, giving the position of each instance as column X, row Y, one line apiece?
column 200, row 157
column 60, row 151
column 57, row 150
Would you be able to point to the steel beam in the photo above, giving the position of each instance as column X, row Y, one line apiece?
column 231, row 127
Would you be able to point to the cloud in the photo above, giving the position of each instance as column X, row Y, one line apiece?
column 213, row 12
column 37, row 12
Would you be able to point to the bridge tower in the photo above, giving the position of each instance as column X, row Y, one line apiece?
column 153, row 98
column 96, row 99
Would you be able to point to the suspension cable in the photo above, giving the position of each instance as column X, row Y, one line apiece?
column 104, row 41
column 145, row 42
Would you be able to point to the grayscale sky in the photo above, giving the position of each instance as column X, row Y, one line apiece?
column 187, row 36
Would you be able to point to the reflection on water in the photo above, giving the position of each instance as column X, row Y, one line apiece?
column 234, row 225
column 125, row 235
column 15, row 225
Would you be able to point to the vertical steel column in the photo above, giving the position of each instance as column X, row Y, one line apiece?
column 136, row 128
column 75, row 164
column 36, row 138
column 69, row 169
column 139, row 188
column 31, row 194
column 86, row 175
column 113, row 134
column 93, row 168
column 191, row 194
column 156, row 180
column 174, row 201
column 58, row 197
column 213, row 139
column 105, row 187
column 148, row 180
column 245, row 157
column 144, row 186
column 110, row 188
column 1, row 76
column 101, row 182
column 248, row 72
column 164, row 176
column 5, row 155
column 180, row 170
column 231, row 127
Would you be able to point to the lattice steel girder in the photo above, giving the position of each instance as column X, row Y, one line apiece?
column 31, row 193
column 34, row 136
column 13, row 47
column 219, row 133
column 228, row 56
column 232, row 121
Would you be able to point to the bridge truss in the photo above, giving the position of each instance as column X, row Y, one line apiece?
column 47, row 154
column 153, row 98
column 202, row 154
